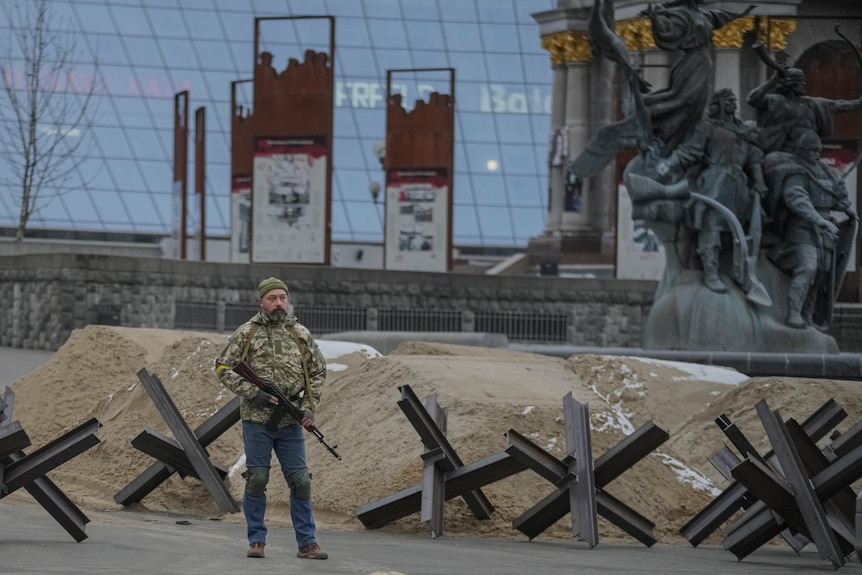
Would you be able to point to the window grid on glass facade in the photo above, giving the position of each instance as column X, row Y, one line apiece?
column 148, row 50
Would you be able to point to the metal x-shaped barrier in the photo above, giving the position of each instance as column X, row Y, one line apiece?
column 736, row 496
column 798, row 490
column 18, row 469
column 444, row 475
column 580, row 482
column 579, row 486
column 186, row 455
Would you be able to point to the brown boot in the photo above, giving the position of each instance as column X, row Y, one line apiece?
column 312, row 551
column 255, row 551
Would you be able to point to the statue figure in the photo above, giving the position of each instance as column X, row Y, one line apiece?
column 810, row 192
column 785, row 111
column 605, row 42
column 728, row 170
column 683, row 25
column 658, row 121
column 635, row 129
column 813, row 247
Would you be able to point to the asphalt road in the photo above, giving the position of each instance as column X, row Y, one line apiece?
column 132, row 543
column 16, row 363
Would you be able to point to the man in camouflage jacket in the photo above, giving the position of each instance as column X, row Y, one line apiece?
column 283, row 353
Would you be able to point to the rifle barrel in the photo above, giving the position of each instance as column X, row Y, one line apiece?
column 245, row 371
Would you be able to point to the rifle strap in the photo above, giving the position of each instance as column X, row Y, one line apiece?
column 300, row 346
column 278, row 412
column 302, row 349
column 248, row 341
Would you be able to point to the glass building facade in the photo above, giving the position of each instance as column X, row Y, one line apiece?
column 140, row 53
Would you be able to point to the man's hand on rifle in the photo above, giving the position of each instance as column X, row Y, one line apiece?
column 245, row 371
column 264, row 399
column 307, row 420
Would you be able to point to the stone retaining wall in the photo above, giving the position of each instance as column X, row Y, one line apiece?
column 46, row 296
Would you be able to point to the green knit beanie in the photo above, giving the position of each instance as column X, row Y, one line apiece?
column 270, row 284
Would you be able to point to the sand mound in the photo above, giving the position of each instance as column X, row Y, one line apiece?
column 486, row 393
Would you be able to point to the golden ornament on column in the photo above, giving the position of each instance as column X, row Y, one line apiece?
column 774, row 31
column 568, row 46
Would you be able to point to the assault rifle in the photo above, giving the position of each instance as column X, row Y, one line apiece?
column 245, row 371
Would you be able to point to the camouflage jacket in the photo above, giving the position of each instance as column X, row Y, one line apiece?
column 275, row 357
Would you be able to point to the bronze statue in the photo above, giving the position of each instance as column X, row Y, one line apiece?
column 695, row 179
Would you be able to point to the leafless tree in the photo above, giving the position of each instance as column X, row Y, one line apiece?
column 47, row 108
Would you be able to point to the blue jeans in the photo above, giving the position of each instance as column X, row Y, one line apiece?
column 289, row 445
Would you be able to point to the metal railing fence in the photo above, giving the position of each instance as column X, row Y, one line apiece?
column 525, row 327
column 419, row 320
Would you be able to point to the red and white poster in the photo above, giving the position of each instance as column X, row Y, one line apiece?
column 240, row 218
column 289, row 198
column 640, row 254
column 417, row 220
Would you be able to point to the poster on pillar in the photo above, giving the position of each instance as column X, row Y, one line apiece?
column 240, row 218
column 288, row 200
column 640, row 254
column 417, row 220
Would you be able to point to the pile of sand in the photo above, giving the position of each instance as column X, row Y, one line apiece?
column 486, row 393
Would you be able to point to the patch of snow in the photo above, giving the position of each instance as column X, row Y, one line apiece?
column 688, row 475
column 335, row 349
column 696, row 371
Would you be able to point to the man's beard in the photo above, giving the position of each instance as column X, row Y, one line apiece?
column 277, row 314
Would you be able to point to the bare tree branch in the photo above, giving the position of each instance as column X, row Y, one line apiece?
column 45, row 117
